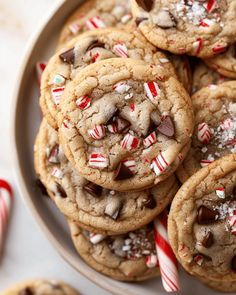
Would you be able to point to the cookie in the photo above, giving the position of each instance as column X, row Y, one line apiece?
column 122, row 110
column 199, row 28
column 41, row 287
column 88, row 204
column 128, row 257
column 226, row 287
column 215, row 127
column 87, row 49
column 224, row 63
column 201, row 222
column 204, row 76
column 95, row 14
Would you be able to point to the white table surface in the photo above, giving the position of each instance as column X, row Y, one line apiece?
column 27, row 253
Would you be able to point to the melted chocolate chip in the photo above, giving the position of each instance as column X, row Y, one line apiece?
column 53, row 156
column 123, row 172
column 26, row 291
column 93, row 189
column 205, row 215
column 233, row 263
column 167, row 127
column 150, row 202
column 41, row 187
column 207, row 240
column 68, row 56
column 145, row 4
column 96, row 44
column 139, row 20
column 60, row 191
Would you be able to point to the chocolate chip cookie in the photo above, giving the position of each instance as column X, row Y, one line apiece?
column 202, row 222
column 227, row 287
column 128, row 257
column 225, row 63
column 215, row 127
column 41, row 287
column 122, row 110
column 95, row 14
column 199, row 28
column 85, row 50
column 88, row 204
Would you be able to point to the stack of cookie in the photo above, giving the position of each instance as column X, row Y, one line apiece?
column 119, row 122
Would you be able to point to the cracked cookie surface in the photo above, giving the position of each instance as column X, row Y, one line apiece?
column 215, row 127
column 123, row 110
column 85, row 50
column 201, row 222
column 198, row 28
column 88, row 204
column 128, row 257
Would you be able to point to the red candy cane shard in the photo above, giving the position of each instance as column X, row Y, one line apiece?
column 74, row 28
column 211, row 5
column 232, row 223
column 57, row 94
column 95, row 23
column 152, row 90
column 121, row 50
column 206, row 23
column 159, row 164
column 227, row 124
column 131, row 164
column 205, row 162
column 98, row 132
column 83, row 102
column 150, row 140
column 98, row 160
column 130, row 142
column 204, row 133
column 166, row 257
column 219, row 49
column 220, row 192
column 151, row 261
column 197, row 45
column 6, row 198
column 40, row 67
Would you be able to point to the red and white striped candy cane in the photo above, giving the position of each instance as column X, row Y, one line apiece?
column 6, row 196
column 166, row 257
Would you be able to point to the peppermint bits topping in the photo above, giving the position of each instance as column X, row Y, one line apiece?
column 98, row 132
column 83, row 102
column 121, row 50
column 97, row 160
column 152, row 90
column 130, row 142
column 160, row 164
column 220, row 192
column 204, row 133
column 150, row 140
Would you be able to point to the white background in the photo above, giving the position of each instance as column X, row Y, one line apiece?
column 27, row 253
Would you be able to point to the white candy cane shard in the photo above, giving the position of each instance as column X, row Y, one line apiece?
column 58, row 80
column 130, row 142
column 75, row 28
column 150, row 140
column 96, row 238
column 197, row 45
column 57, row 94
column 121, row 87
column 83, row 102
column 98, row 132
column 160, row 164
column 199, row 259
column 152, row 90
column 131, row 164
column 6, row 198
column 151, row 261
column 40, row 67
column 126, row 18
column 121, row 50
column 227, row 124
column 206, row 23
column 232, row 223
column 56, row 172
column 220, row 192
column 95, row 23
column 98, row 160
column 164, row 60
column 204, row 133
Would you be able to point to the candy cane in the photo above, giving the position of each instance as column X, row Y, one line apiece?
column 6, row 196
column 166, row 257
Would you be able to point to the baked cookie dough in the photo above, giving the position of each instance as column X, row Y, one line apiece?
column 201, row 222
column 41, row 287
column 122, row 110
column 128, row 257
column 215, row 127
column 88, row 204
column 225, row 63
column 226, row 287
column 205, row 76
column 95, row 14
column 87, row 49
column 199, row 28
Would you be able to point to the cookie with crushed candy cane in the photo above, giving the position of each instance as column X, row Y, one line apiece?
column 199, row 28
column 121, row 109
column 202, row 222
column 215, row 127
column 85, row 50
column 88, row 204
column 95, row 14
column 128, row 257
column 221, row 286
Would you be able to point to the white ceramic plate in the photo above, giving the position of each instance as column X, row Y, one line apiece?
column 27, row 117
